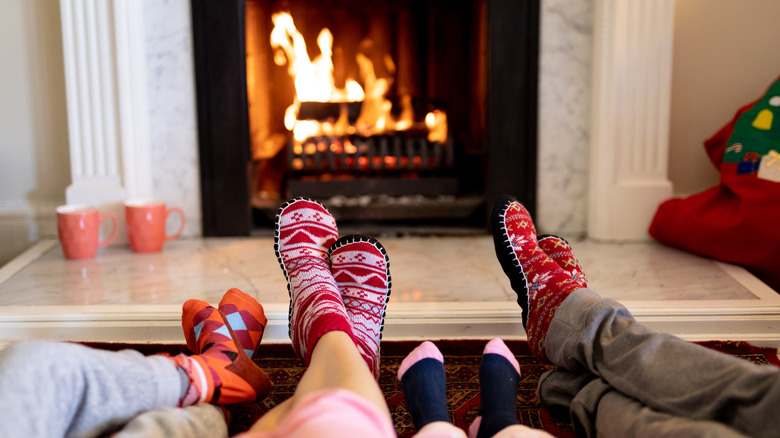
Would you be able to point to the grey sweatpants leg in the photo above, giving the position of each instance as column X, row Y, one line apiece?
column 202, row 420
column 663, row 372
column 598, row 410
column 50, row 389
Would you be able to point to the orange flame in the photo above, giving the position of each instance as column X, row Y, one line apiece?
column 314, row 82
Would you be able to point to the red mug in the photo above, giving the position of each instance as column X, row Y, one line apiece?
column 78, row 227
column 146, row 219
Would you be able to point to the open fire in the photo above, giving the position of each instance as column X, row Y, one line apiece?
column 411, row 61
column 338, row 123
column 315, row 86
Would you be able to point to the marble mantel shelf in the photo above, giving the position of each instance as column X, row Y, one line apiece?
column 442, row 288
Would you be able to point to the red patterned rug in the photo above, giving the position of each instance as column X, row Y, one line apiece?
column 461, row 361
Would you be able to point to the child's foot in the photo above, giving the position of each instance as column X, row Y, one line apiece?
column 499, row 374
column 246, row 317
column 220, row 371
column 361, row 268
column 559, row 250
column 541, row 285
column 425, row 385
column 304, row 232
column 244, row 314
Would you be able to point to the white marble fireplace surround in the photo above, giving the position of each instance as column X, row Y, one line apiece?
column 605, row 71
column 603, row 144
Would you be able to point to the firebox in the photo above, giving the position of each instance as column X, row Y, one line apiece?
column 395, row 114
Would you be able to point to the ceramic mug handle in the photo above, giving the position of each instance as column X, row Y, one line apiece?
column 110, row 238
column 181, row 228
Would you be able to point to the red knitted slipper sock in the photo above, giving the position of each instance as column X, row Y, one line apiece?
column 559, row 250
column 541, row 285
column 361, row 268
column 246, row 317
column 304, row 232
column 221, row 372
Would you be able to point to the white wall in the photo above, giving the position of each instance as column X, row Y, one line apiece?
column 725, row 56
column 34, row 160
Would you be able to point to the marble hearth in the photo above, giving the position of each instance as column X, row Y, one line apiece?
column 442, row 288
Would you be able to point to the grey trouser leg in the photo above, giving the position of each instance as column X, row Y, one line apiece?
column 598, row 410
column 50, row 389
column 663, row 372
column 202, row 420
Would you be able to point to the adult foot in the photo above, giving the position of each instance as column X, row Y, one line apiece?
column 220, row 372
column 540, row 283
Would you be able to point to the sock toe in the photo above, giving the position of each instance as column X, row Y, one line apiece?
column 191, row 319
column 246, row 317
column 426, row 350
column 497, row 346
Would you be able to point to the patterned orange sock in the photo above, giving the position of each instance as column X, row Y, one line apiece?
column 246, row 317
column 220, row 372
column 541, row 285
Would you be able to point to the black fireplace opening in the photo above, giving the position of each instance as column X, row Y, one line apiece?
column 398, row 115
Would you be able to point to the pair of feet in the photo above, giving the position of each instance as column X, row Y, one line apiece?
column 334, row 283
column 423, row 379
column 542, row 270
column 225, row 342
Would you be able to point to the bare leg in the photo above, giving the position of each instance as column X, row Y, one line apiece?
column 335, row 363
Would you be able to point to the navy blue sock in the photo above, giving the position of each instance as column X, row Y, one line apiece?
column 498, row 382
column 425, row 388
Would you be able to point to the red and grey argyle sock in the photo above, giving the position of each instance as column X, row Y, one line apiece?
column 220, row 372
column 559, row 250
column 304, row 232
column 541, row 285
column 361, row 268
column 246, row 317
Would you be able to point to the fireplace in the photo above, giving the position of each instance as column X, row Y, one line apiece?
column 472, row 63
column 597, row 128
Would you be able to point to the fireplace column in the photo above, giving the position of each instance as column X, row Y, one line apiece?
column 105, row 79
column 630, row 116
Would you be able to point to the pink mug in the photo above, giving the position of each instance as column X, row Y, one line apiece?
column 79, row 229
column 146, row 219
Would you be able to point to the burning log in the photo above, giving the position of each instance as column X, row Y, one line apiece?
column 323, row 111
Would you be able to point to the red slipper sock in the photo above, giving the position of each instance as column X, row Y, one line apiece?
column 361, row 268
column 559, row 250
column 304, row 232
column 221, row 372
column 541, row 285
column 246, row 317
